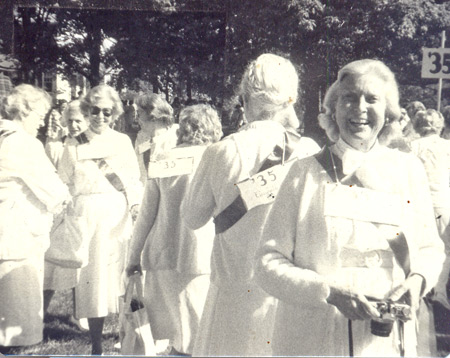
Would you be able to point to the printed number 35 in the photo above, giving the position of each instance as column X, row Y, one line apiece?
column 437, row 62
column 263, row 180
column 169, row 164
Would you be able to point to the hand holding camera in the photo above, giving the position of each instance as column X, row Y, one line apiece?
column 351, row 304
column 389, row 312
column 409, row 291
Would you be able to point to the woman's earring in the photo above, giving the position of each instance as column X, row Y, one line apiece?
column 333, row 117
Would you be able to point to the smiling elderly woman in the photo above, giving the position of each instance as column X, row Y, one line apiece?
column 30, row 192
column 351, row 225
column 101, row 170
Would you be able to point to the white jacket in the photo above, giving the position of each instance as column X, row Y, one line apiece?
column 30, row 191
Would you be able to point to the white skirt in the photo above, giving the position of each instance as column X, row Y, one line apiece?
column 59, row 278
column 192, row 297
column 236, row 321
column 175, row 305
column 161, row 301
column 100, row 282
column 21, row 301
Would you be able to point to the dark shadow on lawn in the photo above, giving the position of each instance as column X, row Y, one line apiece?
column 442, row 324
column 58, row 327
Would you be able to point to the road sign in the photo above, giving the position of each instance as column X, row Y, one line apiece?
column 436, row 63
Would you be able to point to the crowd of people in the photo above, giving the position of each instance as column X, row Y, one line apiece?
column 259, row 243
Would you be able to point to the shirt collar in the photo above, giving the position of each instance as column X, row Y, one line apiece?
column 352, row 158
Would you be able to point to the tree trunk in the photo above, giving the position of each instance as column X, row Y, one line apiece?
column 94, row 48
column 189, row 85
column 311, row 83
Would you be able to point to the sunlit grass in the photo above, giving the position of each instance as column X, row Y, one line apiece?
column 61, row 337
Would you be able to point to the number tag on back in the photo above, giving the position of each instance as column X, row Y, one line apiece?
column 143, row 147
column 262, row 187
column 170, row 167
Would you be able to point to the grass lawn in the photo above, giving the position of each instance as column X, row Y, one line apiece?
column 64, row 338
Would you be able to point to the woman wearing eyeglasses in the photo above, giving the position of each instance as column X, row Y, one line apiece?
column 102, row 173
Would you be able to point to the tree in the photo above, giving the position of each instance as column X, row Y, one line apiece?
column 35, row 47
column 184, row 53
column 83, row 43
column 321, row 36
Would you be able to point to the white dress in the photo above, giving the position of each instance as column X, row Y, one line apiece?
column 30, row 192
column 102, row 215
column 176, row 259
column 320, row 232
column 238, row 315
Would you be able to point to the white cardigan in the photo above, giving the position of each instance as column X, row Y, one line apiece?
column 301, row 250
column 30, row 191
column 161, row 235
column 235, row 158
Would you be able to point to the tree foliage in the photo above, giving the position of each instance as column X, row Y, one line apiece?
column 191, row 54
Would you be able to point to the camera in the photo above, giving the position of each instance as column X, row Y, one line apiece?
column 389, row 312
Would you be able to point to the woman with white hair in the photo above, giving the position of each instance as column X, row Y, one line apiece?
column 31, row 192
column 434, row 152
column 237, row 319
column 176, row 258
column 76, row 123
column 351, row 244
column 56, row 277
column 101, row 170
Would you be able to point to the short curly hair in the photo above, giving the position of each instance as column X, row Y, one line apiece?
column 359, row 68
column 22, row 100
column 199, row 125
column 102, row 91
column 271, row 84
column 413, row 107
column 72, row 107
column 428, row 122
column 156, row 107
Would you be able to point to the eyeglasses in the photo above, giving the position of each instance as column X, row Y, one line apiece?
column 107, row 112
column 40, row 114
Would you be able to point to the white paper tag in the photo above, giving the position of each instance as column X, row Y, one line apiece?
column 362, row 204
column 143, row 147
column 170, row 167
column 262, row 188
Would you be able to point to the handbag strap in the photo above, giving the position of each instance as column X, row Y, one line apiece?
column 237, row 209
column 5, row 133
column 104, row 167
column 134, row 281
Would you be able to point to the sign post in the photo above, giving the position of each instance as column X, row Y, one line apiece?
column 436, row 64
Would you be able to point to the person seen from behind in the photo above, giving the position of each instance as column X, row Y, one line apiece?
column 158, row 131
column 176, row 259
column 238, row 314
column 31, row 193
